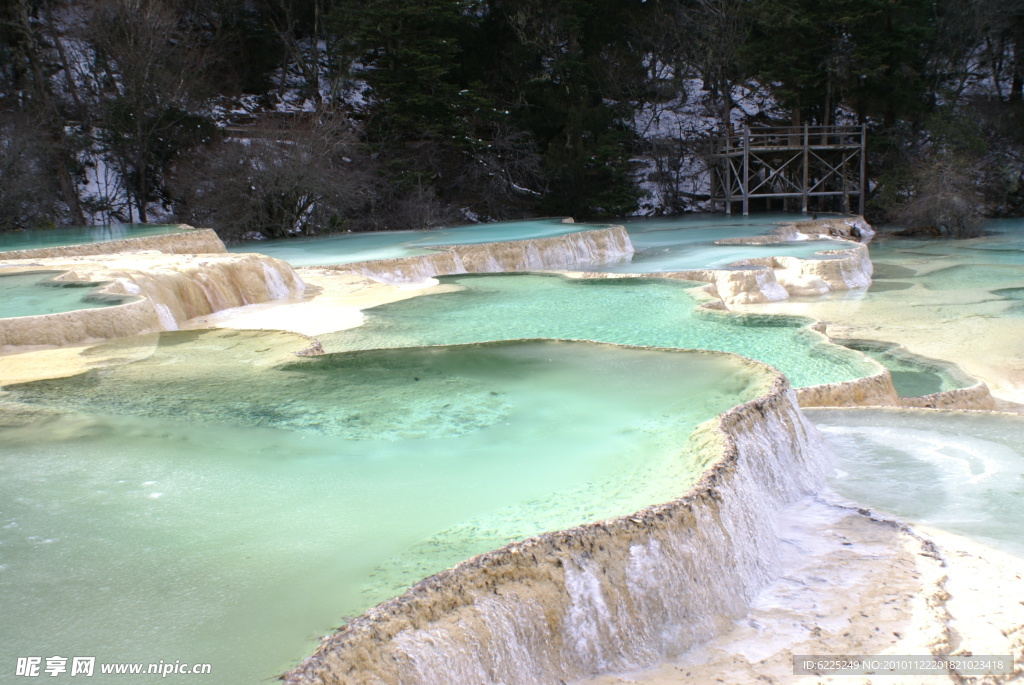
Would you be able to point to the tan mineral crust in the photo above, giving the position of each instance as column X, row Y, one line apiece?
column 172, row 288
column 985, row 343
column 333, row 301
column 190, row 241
column 990, row 348
column 602, row 245
column 860, row 584
column 814, row 575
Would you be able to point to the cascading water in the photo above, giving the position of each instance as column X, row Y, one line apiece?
column 614, row 595
column 576, row 249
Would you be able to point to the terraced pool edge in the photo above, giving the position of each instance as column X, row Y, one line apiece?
column 525, row 598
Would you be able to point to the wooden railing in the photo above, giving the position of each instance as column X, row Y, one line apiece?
column 786, row 137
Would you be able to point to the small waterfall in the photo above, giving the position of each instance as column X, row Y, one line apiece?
column 275, row 280
column 210, row 290
column 608, row 596
column 181, row 288
column 588, row 621
column 166, row 318
column 595, row 247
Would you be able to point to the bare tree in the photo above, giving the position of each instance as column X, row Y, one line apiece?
column 30, row 24
column 148, row 80
column 501, row 176
column 945, row 198
column 275, row 182
column 308, row 56
column 712, row 34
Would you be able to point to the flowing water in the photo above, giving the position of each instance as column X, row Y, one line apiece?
column 223, row 501
column 662, row 245
column 961, row 472
column 32, row 294
column 629, row 311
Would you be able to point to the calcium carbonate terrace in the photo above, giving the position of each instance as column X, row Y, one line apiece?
column 210, row 494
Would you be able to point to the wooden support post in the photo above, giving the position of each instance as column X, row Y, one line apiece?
column 746, row 171
column 807, row 161
column 774, row 163
column 863, row 167
column 728, row 176
column 713, row 176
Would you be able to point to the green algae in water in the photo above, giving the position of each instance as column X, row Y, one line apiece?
column 629, row 311
column 223, row 501
column 33, row 294
column 912, row 375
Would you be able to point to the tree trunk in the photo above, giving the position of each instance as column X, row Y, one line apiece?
column 50, row 117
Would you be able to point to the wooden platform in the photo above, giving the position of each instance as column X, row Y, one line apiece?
column 786, row 162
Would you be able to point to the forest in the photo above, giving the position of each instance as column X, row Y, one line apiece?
column 271, row 118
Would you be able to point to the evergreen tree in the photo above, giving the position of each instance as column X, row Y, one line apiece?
column 569, row 72
column 872, row 53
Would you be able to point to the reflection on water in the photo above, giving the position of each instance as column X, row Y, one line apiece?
column 223, row 501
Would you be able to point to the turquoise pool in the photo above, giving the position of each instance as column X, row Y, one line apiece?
column 629, row 311
column 357, row 247
column 912, row 375
column 685, row 243
column 76, row 235
column 32, row 294
column 223, row 501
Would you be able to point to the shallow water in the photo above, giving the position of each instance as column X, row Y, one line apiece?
column 77, row 235
column 961, row 472
column 629, row 311
column 224, row 501
column 688, row 242
column 987, row 263
column 662, row 245
column 912, row 375
column 32, row 294
column 953, row 300
column 357, row 247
